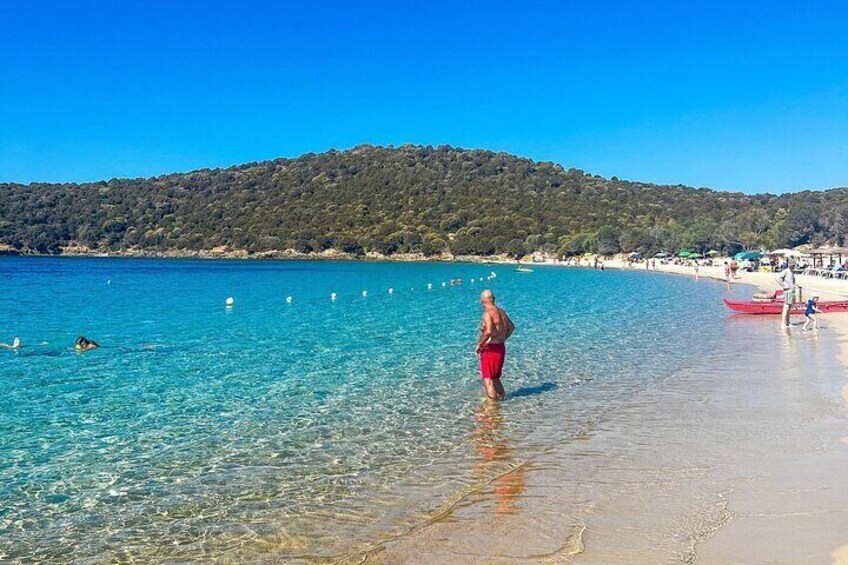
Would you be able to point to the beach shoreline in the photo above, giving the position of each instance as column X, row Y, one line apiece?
column 828, row 289
column 227, row 254
column 771, row 490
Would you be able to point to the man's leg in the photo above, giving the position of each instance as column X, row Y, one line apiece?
column 807, row 323
column 499, row 389
column 491, row 391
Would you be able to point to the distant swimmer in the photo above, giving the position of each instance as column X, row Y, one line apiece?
column 16, row 344
column 84, row 344
column 495, row 329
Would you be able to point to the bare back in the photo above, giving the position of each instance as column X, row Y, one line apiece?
column 496, row 324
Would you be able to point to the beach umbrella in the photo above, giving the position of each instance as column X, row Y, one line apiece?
column 683, row 253
column 789, row 253
column 712, row 252
column 745, row 255
column 662, row 254
column 695, row 256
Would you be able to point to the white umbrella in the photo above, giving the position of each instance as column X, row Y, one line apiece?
column 789, row 253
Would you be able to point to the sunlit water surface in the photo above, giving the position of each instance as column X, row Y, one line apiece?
column 284, row 430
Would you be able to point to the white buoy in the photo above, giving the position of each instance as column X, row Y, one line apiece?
column 444, row 285
column 289, row 299
column 429, row 286
column 230, row 301
column 109, row 281
column 472, row 280
column 391, row 291
column 364, row 293
column 333, row 296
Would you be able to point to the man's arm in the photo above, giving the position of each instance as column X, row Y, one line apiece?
column 485, row 331
column 510, row 327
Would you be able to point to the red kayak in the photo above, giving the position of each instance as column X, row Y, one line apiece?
column 776, row 307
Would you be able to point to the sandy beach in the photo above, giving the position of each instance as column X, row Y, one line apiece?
column 739, row 458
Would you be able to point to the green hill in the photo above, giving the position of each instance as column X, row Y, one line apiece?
column 407, row 199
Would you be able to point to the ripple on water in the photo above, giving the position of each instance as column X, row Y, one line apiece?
column 303, row 428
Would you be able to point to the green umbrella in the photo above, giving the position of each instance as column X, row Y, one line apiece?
column 695, row 256
column 747, row 255
column 683, row 253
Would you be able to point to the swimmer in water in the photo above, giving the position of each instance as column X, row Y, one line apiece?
column 16, row 344
column 85, row 344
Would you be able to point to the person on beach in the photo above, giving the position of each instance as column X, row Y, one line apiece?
column 734, row 266
column 727, row 271
column 16, row 344
column 495, row 329
column 786, row 278
column 84, row 344
column 810, row 313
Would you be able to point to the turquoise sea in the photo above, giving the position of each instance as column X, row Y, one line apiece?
column 306, row 429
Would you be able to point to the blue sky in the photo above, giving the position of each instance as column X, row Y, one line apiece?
column 749, row 96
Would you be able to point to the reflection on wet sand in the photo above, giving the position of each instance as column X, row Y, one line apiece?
column 496, row 457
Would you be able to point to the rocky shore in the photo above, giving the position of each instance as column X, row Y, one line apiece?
column 241, row 254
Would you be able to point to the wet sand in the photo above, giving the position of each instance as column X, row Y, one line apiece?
column 739, row 458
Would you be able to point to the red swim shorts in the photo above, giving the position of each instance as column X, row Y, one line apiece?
column 492, row 360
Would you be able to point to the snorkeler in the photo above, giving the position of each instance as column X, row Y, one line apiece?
column 16, row 344
column 84, row 344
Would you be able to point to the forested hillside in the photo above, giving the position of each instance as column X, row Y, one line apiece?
column 407, row 199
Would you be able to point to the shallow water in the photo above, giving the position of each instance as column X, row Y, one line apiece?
column 738, row 459
column 306, row 429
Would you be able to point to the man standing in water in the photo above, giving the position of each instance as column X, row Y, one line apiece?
column 495, row 329
column 786, row 278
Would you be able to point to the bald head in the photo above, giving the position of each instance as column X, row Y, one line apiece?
column 487, row 297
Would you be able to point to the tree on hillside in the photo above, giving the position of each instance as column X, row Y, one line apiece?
column 802, row 223
column 406, row 199
column 606, row 240
column 746, row 230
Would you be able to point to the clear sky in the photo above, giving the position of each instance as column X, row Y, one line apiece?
column 733, row 95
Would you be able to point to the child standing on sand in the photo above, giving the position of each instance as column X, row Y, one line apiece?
column 810, row 313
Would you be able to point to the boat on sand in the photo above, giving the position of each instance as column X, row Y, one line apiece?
column 773, row 304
